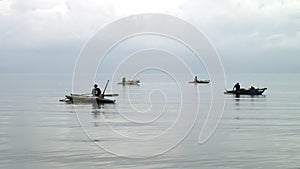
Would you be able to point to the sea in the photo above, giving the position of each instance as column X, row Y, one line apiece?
column 154, row 125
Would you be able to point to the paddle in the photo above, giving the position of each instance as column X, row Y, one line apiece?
column 110, row 95
column 105, row 87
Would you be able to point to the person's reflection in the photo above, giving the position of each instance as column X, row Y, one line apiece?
column 96, row 110
column 237, row 98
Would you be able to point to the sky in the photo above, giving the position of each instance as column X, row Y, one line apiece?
column 250, row 36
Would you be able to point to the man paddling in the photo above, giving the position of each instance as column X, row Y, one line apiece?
column 96, row 91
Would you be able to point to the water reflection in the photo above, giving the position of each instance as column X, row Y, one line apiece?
column 96, row 111
column 252, row 98
column 246, row 101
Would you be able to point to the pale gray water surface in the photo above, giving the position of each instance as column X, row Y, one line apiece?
column 37, row 131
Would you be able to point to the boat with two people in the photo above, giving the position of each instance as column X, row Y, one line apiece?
column 237, row 90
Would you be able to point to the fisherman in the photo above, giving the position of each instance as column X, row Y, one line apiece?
column 196, row 79
column 123, row 80
column 237, row 86
column 96, row 91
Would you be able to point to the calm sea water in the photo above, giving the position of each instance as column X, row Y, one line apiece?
column 38, row 131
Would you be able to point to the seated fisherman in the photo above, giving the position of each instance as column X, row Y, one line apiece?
column 237, row 86
column 196, row 79
column 96, row 91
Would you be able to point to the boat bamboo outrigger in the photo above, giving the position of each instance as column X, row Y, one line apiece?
column 78, row 98
column 200, row 81
column 85, row 98
column 196, row 81
column 129, row 82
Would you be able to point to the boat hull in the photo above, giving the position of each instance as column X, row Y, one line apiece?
column 251, row 92
column 129, row 82
column 88, row 99
column 200, row 81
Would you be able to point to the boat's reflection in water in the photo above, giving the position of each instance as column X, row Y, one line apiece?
column 242, row 107
column 252, row 98
column 102, row 111
column 96, row 110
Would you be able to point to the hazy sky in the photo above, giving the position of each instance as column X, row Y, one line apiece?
column 249, row 35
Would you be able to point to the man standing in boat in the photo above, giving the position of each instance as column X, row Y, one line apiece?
column 237, row 86
column 96, row 91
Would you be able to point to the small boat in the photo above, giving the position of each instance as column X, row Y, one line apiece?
column 77, row 98
column 250, row 91
column 85, row 98
column 200, row 81
column 130, row 82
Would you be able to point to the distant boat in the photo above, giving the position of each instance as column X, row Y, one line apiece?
column 200, row 81
column 77, row 98
column 129, row 82
column 246, row 91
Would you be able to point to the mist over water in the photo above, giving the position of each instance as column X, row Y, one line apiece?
column 38, row 131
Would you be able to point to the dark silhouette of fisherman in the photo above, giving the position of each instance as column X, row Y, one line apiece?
column 96, row 91
column 237, row 86
column 196, row 79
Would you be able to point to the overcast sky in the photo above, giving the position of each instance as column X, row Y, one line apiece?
column 249, row 35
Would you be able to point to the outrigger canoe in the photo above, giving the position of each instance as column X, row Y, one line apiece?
column 130, row 82
column 77, row 98
column 246, row 91
column 200, row 81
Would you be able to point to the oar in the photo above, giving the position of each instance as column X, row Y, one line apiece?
column 105, row 87
column 111, row 95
